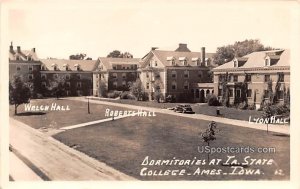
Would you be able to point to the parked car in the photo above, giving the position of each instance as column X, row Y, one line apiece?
column 183, row 108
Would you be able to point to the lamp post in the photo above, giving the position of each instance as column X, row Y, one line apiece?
column 88, row 105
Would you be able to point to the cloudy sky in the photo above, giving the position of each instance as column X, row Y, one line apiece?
column 60, row 28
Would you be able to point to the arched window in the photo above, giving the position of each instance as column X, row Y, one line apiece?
column 174, row 74
column 186, row 74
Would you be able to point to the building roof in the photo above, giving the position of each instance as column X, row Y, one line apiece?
column 257, row 59
column 23, row 55
column 163, row 56
column 85, row 65
column 108, row 62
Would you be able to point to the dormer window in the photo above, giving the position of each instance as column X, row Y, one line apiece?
column 29, row 58
column 43, row 67
column 235, row 63
column 66, row 66
column 183, row 60
column 77, row 66
column 17, row 58
column 172, row 60
column 267, row 61
column 55, row 68
column 197, row 60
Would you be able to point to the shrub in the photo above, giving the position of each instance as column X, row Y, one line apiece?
column 127, row 95
column 251, row 107
column 114, row 94
column 212, row 100
column 243, row 106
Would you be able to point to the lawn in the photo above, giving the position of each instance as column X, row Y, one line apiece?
column 57, row 119
column 203, row 108
column 124, row 144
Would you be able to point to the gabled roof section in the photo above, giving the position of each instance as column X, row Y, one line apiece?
column 85, row 65
column 23, row 55
column 109, row 62
column 257, row 59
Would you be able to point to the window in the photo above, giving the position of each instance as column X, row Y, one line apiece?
column 147, row 74
column 78, row 84
column 174, row 74
column 43, row 67
column 79, row 92
column 249, row 92
column 55, row 68
column 147, row 85
column 230, row 92
column 114, row 67
column 44, row 84
column 185, row 62
column 186, row 74
column 267, row 78
column 173, row 62
column 281, row 77
column 55, row 76
column 267, row 62
column 199, row 74
column 219, row 92
column 68, row 92
column 97, row 75
column 235, row 63
column 67, row 67
column 68, row 84
column 67, row 77
column 220, row 78
column 235, row 78
column 29, row 58
column 115, row 84
column 30, row 76
column 114, row 75
column 18, row 68
column 123, row 75
column 238, row 93
column 155, row 63
column 43, row 76
column 78, row 76
column 174, row 85
column 280, row 95
column 186, row 85
column 124, row 83
column 266, row 93
column 17, row 58
column 30, row 68
column 248, row 78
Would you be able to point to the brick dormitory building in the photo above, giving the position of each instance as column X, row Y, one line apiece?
column 185, row 75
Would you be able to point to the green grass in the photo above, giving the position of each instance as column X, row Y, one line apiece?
column 123, row 144
column 57, row 119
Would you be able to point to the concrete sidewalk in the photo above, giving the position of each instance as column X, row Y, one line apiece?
column 56, row 160
column 284, row 129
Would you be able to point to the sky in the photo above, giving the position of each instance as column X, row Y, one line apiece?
column 60, row 28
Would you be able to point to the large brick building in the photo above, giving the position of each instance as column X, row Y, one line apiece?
column 253, row 76
column 114, row 73
column 176, row 72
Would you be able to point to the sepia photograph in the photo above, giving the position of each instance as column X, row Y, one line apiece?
column 141, row 90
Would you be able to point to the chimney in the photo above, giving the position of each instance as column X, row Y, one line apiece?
column 203, row 55
column 18, row 49
column 11, row 47
column 33, row 50
column 154, row 48
column 182, row 48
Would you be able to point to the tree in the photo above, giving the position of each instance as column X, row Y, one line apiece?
column 57, row 86
column 102, row 89
column 238, row 49
column 137, row 89
column 79, row 56
column 19, row 92
column 118, row 54
column 209, row 134
column 267, row 114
